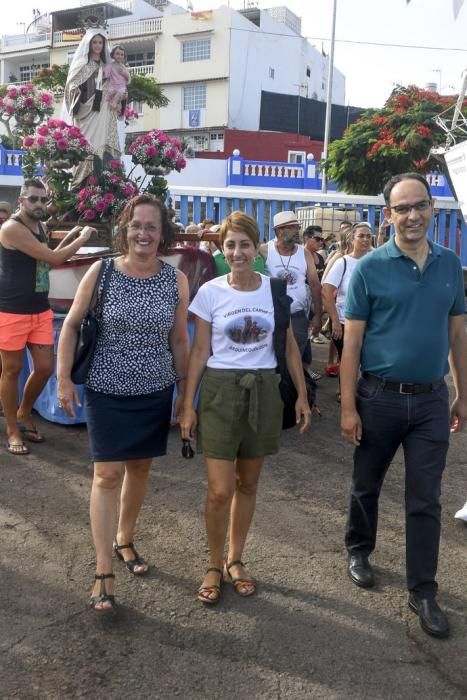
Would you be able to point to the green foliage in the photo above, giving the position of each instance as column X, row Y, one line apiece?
column 53, row 78
column 6, row 141
column 141, row 88
column 394, row 139
column 145, row 89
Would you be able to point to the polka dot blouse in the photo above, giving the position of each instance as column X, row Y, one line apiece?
column 133, row 355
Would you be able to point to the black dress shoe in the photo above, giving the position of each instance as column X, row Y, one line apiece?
column 360, row 571
column 432, row 619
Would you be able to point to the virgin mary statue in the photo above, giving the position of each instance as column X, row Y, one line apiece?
column 87, row 104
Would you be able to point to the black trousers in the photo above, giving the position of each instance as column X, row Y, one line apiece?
column 421, row 424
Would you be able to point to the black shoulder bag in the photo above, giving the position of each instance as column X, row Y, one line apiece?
column 87, row 336
column 281, row 323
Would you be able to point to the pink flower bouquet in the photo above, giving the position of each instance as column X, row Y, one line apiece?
column 56, row 140
column 157, row 149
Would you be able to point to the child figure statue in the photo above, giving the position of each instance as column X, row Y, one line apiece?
column 118, row 78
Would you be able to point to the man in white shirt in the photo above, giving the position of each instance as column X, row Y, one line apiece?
column 286, row 259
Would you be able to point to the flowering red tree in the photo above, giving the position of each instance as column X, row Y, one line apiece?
column 394, row 139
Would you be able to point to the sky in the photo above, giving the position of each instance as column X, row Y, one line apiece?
column 371, row 71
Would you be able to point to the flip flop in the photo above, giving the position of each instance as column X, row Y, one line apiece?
column 18, row 449
column 32, row 434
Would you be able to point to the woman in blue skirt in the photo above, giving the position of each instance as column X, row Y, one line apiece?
column 141, row 352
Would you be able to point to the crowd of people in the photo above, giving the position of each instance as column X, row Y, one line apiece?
column 382, row 303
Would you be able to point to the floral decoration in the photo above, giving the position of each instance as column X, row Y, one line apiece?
column 157, row 149
column 26, row 105
column 102, row 198
column 55, row 140
column 130, row 116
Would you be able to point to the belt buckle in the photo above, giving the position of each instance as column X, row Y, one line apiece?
column 401, row 391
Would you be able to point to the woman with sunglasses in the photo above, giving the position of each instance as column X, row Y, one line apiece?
column 239, row 417
column 336, row 281
column 313, row 240
column 141, row 352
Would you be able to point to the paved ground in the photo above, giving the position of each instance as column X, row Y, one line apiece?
column 309, row 633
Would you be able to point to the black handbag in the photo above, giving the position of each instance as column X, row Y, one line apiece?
column 281, row 323
column 87, row 336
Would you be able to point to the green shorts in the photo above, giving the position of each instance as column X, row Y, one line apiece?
column 239, row 414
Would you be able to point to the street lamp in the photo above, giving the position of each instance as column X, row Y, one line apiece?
column 300, row 86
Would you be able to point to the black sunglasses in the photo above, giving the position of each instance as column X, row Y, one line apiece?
column 317, row 238
column 187, row 450
column 33, row 198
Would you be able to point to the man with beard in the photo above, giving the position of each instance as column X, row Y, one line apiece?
column 291, row 261
column 25, row 314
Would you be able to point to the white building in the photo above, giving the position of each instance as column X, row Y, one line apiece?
column 213, row 66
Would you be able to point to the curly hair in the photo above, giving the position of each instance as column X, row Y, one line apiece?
column 127, row 214
column 239, row 222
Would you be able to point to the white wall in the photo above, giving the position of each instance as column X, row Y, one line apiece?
column 173, row 74
column 254, row 51
column 199, row 172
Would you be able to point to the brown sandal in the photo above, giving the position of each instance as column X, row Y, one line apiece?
column 240, row 583
column 203, row 592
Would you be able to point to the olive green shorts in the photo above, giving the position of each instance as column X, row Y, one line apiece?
column 239, row 414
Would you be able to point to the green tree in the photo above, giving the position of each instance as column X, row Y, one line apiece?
column 394, row 139
column 142, row 87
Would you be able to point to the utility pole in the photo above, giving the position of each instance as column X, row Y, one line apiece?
column 327, row 127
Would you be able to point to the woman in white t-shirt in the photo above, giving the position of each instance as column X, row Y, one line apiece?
column 239, row 417
column 337, row 281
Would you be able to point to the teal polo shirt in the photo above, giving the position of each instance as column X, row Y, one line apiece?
column 406, row 311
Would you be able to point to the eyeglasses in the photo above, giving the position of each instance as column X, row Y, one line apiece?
column 317, row 238
column 407, row 208
column 363, row 235
column 152, row 228
column 33, row 198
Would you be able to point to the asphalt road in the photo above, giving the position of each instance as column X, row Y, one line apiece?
column 309, row 633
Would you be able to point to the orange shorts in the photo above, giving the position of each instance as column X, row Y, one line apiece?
column 17, row 330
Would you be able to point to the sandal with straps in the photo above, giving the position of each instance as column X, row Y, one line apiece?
column 203, row 592
column 103, row 596
column 240, row 583
column 131, row 563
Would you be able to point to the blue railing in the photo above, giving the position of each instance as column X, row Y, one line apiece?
column 10, row 161
column 195, row 204
column 242, row 172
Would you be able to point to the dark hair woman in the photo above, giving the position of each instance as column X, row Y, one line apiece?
column 141, row 352
column 239, row 417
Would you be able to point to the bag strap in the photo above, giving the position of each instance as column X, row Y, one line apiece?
column 281, row 304
column 103, row 270
column 343, row 274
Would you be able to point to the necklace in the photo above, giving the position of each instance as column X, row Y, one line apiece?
column 286, row 267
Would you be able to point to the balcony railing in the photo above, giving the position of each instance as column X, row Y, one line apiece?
column 122, row 4
column 142, row 70
column 119, row 30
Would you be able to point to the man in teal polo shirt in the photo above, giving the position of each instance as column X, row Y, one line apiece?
column 404, row 315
